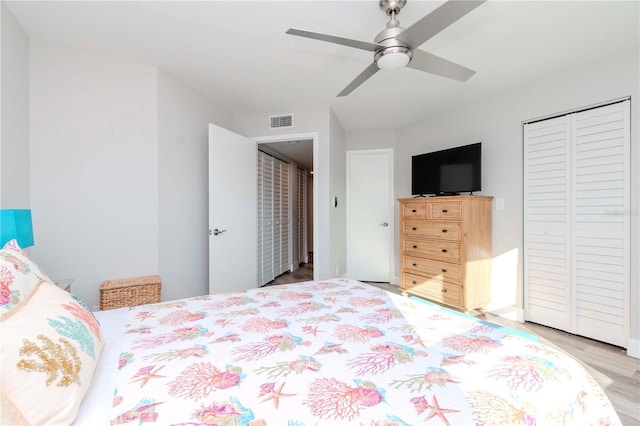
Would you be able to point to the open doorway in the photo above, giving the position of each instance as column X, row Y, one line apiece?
column 285, row 210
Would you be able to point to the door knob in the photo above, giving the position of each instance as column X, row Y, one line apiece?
column 217, row 232
column 385, row 224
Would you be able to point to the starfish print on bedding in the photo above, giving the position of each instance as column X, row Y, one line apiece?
column 146, row 373
column 307, row 329
column 224, row 322
column 269, row 389
column 144, row 315
column 438, row 411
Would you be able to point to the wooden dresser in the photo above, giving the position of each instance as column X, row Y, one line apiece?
column 445, row 249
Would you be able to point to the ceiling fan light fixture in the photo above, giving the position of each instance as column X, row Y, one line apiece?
column 393, row 58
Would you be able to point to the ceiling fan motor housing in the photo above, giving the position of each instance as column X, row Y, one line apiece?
column 391, row 6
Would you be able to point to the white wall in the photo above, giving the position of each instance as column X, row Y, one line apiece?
column 306, row 121
column 183, row 118
column 497, row 122
column 370, row 139
column 94, row 166
column 14, row 117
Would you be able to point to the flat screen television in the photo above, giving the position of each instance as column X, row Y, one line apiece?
column 447, row 172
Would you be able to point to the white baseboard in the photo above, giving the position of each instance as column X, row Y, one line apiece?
column 395, row 280
column 633, row 347
column 512, row 313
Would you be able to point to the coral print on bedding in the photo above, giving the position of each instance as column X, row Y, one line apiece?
column 19, row 277
column 340, row 352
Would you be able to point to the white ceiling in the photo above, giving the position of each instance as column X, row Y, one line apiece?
column 299, row 151
column 237, row 52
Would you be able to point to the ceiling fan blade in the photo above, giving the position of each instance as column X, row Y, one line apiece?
column 334, row 39
column 427, row 62
column 364, row 75
column 437, row 20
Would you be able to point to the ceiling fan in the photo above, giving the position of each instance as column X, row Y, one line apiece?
column 396, row 47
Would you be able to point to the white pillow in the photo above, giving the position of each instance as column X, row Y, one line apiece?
column 49, row 349
column 19, row 278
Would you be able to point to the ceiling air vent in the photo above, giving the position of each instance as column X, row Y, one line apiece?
column 281, row 121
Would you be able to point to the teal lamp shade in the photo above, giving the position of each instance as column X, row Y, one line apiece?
column 16, row 224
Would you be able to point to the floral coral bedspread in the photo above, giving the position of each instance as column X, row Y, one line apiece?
column 340, row 352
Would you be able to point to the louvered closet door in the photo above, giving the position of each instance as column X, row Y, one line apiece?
column 577, row 230
column 285, row 222
column 547, row 272
column 277, row 212
column 601, row 222
column 260, row 219
column 301, row 223
column 267, row 231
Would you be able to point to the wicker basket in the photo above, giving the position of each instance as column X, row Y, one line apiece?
column 129, row 292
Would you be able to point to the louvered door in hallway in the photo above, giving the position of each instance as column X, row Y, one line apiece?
column 273, row 251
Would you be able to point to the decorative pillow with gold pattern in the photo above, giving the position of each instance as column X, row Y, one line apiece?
column 49, row 350
column 19, row 277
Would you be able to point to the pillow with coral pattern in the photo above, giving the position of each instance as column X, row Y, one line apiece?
column 49, row 350
column 19, row 277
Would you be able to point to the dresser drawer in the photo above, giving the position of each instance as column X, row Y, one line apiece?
column 432, row 289
column 441, row 250
column 414, row 211
column 449, row 210
column 432, row 269
column 443, row 230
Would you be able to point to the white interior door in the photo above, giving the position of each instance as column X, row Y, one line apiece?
column 232, row 211
column 370, row 214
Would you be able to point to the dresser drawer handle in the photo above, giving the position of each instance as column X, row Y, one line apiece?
column 414, row 264
column 445, row 211
column 414, row 211
column 414, row 229
column 444, row 231
column 444, row 270
column 444, row 250
column 415, row 247
column 414, row 282
column 444, row 290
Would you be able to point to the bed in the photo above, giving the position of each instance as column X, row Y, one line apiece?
column 336, row 352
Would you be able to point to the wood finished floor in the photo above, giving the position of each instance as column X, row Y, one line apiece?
column 616, row 372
